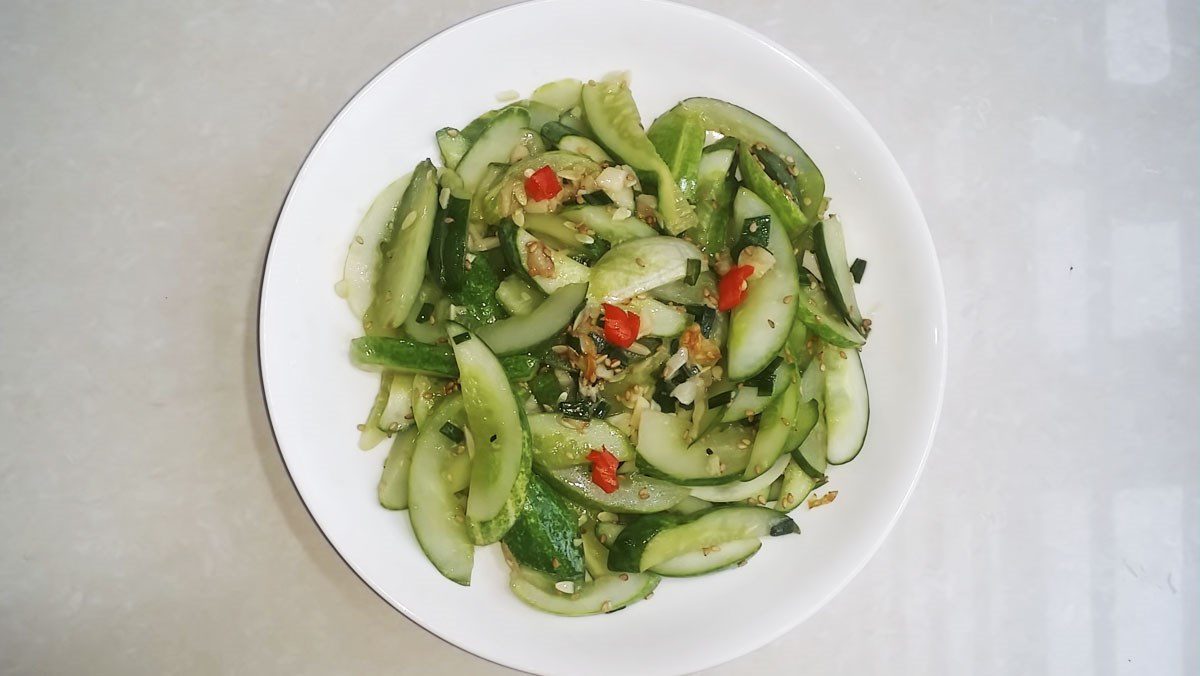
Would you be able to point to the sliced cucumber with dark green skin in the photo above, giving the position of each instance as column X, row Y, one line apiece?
column 397, row 410
column 773, row 430
column 559, row 443
column 562, row 95
column 664, row 452
column 812, row 456
column 404, row 250
column 797, row 484
column 449, row 262
column 679, row 139
column 539, row 114
column 452, row 145
column 798, row 344
column 518, row 296
column 750, row 400
column 808, row 405
column 644, row 373
column 657, row 538
column 556, row 131
column 705, row 561
column 639, row 265
column 830, row 244
column 601, row 595
column 438, row 516
column 500, row 201
column 516, row 244
column 476, row 127
column 375, row 353
column 363, row 260
column 739, row 491
column 475, row 303
column 504, row 132
column 616, row 123
column 702, row 292
column 658, row 318
column 497, row 425
column 715, row 189
column 371, row 434
column 602, row 221
column 759, row 325
column 847, row 410
column 520, row 334
column 544, row 536
column 820, row 316
column 586, row 147
column 690, row 505
column 426, row 393
column 576, row 483
column 757, row 177
column 751, row 129
column 393, row 484
column 427, row 324
column 595, row 555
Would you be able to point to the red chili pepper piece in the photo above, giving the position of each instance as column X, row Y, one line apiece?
column 604, row 469
column 731, row 290
column 542, row 184
column 620, row 327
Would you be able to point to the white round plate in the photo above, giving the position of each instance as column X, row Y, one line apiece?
column 316, row 398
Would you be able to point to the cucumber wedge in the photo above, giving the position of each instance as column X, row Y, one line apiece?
column 750, row 400
column 363, row 259
column 700, row 293
column 738, row 491
column 663, row 451
column 595, row 555
column 797, row 484
column 520, row 334
column 847, row 411
column 452, row 145
column 559, row 443
column 640, row 265
column 562, row 95
column 830, row 244
column 437, row 515
column 504, row 132
column 823, row 319
column 584, row 146
column 679, row 139
column 374, row 353
column 812, row 456
column 759, row 325
column 601, row 595
column 517, row 296
column 501, row 200
column 404, row 250
column 751, row 129
column 393, row 483
column 757, row 177
column 371, row 434
column 500, row 432
column 808, row 405
column 705, row 561
column 543, row 538
column 397, row 410
column 657, row 538
column 771, row 441
column 602, row 220
column 658, row 318
column 615, row 120
column 576, row 483
column 715, row 189
column 516, row 244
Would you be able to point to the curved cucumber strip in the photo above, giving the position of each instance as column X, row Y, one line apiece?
column 518, row 296
column 657, row 538
column 559, row 443
column 808, row 405
column 658, row 318
column 830, row 244
column 397, row 410
column 562, row 95
column 771, row 441
column 504, row 132
column 576, row 483
column 822, row 318
column 595, row 555
column 663, row 451
column 544, row 536
column 516, row 244
column 601, row 220
column 362, row 260
column 372, row 434
column 519, row 334
column 700, row 293
column 601, row 595
column 426, row 393
column 679, row 139
column 702, row 562
column 452, row 145
column 640, row 265
column 759, row 325
column 500, row 201
column 748, row 400
column 846, row 407
column 756, row 177
column 376, row 353
column 393, row 483
column 403, row 260
column 497, row 425
column 430, row 330
column 437, row 515
column 750, row 129
column 796, row 486
column 738, row 491
column 616, row 122
column 584, row 146
column 715, row 189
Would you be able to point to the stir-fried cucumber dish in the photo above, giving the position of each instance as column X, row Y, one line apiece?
column 622, row 353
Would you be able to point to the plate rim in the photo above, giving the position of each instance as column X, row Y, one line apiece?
column 785, row 53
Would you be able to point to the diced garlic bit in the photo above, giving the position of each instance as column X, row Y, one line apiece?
column 507, row 95
column 615, row 182
column 621, row 214
column 686, row 391
column 565, row 586
column 647, row 206
column 488, row 243
column 519, row 217
column 606, row 517
column 814, row 501
column 538, row 260
column 444, row 197
column 758, row 258
column 723, row 263
column 675, row 362
column 411, row 217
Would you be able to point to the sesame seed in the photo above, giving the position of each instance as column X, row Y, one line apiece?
column 624, row 577
column 554, row 563
column 742, row 562
column 842, row 354
column 787, row 299
column 603, row 539
column 452, row 133
column 644, row 494
column 649, row 596
column 359, row 239
column 821, row 366
column 753, row 227
column 605, row 607
column 771, row 323
column 641, row 263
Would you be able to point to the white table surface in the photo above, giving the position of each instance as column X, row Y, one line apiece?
column 147, row 525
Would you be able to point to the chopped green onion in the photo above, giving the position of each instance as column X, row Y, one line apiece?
column 765, row 389
column 579, row 410
column 600, row 409
column 462, row 338
column 857, row 268
column 665, row 401
column 425, row 313
column 756, row 231
column 693, row 271
column 453, row 433
column 706, row 317
column 718, row 400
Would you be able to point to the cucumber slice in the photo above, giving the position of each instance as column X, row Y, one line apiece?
column 847, row 410
column 771, row 441
column 640, row 265
column 595, row 555
column 539, row 114
column 657, row 538
column 812, row 456
column 690, row 505
column 397, row 410
column 797, row 484
column 520, row 334
column 644, row 372
column 702, row 292
column 615, row 120
column 704, row 561
column 432, row 329
column 559, row 443
column 715, row 189
column 822, row 318
column 516, row 243
column 602, row 220
column 798, row 344
column 452, row 145
column 607, row 532
column 393, row 483
column 756, row 176
column 404, row 250
column 475, row 303
column 437, row 515
column 576, row 483
column 363, row 258
column 377, row 353
column 544, row 536
column 658, row 318
column 601, row 595
column 504, row 132
column 500, row 200
column 426, row 393
column 808, row 405
column 518, row 296
column 759, row 325
column 371, row 434
column 553, row 229
column 476, row 127
column 500, row 432
column 751, row 129
column 562, row 95
column 584, row 146
column 835, row 268
column 663, row 451
column 448, row 246
column 739, row 491
column 679, row 139
column 749, row 400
